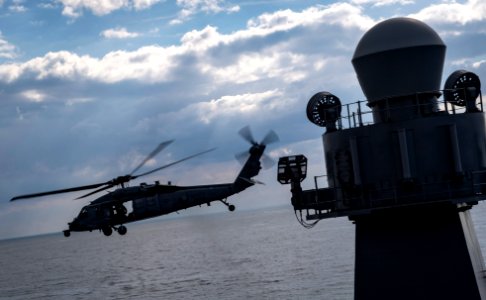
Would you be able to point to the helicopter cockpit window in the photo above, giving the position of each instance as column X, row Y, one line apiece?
column 83, row 212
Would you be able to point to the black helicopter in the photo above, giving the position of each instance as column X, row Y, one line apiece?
column 108, row 212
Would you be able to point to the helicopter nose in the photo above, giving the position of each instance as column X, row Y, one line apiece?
column 74, row 223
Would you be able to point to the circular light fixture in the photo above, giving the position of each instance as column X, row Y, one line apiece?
column 461, row 86
column 323, row 108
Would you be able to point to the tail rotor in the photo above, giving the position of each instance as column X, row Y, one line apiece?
column 270, row 138
column 246, row 134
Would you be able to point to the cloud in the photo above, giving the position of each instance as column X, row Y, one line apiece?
column 34, row 95
column 466, row 63
column 74, row 8
column 147, row 63
column 342, row 14
column 48, row 5
column 157, row 63
column 383, row 2
column 479, row 64
column 7, row 50
column 17, row 6
column 144, row 4
column 118, row 33
column 453, row 12
column 189, row 8
column 252, row 67
column 266, row 103
column 192, row 7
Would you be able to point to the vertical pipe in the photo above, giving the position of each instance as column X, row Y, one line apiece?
column 360, row 118
column 349, row 115
column 456, row 151
column 355, row 160
column 402, row 140
column 481, row 100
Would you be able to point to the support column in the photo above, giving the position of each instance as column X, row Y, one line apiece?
column 418, row 253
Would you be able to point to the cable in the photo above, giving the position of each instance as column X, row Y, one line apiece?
column 303, row 222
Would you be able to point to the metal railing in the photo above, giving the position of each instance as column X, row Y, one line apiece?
column 359, row 113
column 332, row 202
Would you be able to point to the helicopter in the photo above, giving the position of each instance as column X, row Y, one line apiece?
column 108, row 212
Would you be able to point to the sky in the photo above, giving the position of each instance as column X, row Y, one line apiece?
column 89, row 87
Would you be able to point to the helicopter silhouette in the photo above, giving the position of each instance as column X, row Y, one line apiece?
column 108, row 212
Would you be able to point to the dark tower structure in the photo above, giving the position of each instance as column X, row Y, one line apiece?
column 406, row 167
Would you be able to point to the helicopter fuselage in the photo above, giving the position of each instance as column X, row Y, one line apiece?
column 148, row 201
column 109, row 212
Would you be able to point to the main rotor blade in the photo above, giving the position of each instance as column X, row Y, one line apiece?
column 173, row 163
column 245, row 133
column 74, row 189
column 159, row 148
column 96, row 191
column 270, row 138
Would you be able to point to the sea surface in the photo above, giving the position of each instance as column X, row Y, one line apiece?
column 261, row 254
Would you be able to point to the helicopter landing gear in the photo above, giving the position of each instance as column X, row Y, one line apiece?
column 66, row 233
column 107, row 230
column 231, row 207
column 122, row 230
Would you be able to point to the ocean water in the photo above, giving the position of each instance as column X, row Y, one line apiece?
column 262, row 254
column 245, row 254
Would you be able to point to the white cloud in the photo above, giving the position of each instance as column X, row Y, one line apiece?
column 143, row 4
column 453, row 12
column 192, row 7
column 147, row 63
column 7, row 50
column 158, row 64
column 74, row 8
column 475, row 63
column 48, row 5
column 17, row 6
column 254, row 66
column 245, row 108
column 33, row 95
column 342, row 14
column 10, row 72
column 237, row 105
column 478, row 64
column 383, row 2
column 118, row 33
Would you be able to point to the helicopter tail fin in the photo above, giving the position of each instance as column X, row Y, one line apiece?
column 252, row 166
column 250, row 169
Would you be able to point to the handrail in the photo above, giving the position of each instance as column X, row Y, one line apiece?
column 372, row 197
column 357, row 116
